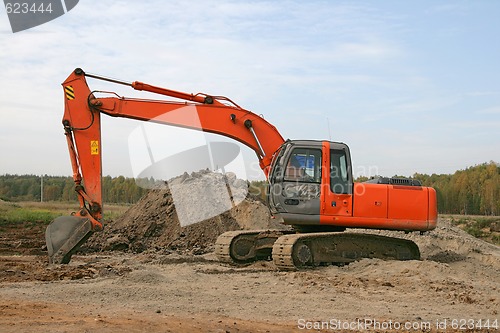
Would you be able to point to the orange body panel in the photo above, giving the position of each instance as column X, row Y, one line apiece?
column 408, row 202
column 371, row 200
column 378, row 206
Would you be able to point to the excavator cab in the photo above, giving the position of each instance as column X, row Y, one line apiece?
column 304, row 175
column 311, row 187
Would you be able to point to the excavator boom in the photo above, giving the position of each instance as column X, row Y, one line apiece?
column 82, row 127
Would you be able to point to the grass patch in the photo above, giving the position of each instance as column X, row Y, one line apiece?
column 482, row 227
column 45, row 212
column 28, row 215
column 460, row 221
column 495, row 239
column 35, row 212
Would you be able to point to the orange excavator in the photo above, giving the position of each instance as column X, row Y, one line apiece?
column 310, row 183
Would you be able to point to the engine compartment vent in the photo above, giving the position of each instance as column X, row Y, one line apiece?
column 395, row 181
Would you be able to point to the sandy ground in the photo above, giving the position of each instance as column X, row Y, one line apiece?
column 455, row 287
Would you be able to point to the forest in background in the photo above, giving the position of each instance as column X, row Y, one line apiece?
column 55, row 188
column 473, row 191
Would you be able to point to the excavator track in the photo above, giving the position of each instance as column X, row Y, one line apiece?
column 242, row 246
column 308, row 250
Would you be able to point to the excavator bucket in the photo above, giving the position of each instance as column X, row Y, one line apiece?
column 64, row 236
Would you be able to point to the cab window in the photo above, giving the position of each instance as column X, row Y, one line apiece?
column 339, row 172
column 304, row 165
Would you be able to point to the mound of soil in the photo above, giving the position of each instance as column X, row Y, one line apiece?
column 185, row 215
column 448, row 244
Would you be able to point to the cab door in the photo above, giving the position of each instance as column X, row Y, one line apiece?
column 337, row 183
column 302, row 181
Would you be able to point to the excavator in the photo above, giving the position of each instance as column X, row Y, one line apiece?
column 310, row 183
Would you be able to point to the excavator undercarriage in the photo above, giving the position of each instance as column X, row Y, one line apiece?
column 290, row 250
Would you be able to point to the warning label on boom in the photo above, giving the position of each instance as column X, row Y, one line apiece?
column 94, row 147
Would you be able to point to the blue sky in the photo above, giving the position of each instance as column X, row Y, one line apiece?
column 409, row 86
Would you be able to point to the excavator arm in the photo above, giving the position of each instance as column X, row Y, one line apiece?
column 82, row 128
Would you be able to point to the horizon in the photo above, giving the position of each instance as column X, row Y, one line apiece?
column 218, row 171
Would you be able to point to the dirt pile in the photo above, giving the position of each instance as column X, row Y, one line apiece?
column 448, row 244
column 186, row 215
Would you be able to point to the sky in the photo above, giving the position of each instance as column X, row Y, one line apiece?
column 410, row 86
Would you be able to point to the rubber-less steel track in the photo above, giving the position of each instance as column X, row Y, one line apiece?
column 314, row 249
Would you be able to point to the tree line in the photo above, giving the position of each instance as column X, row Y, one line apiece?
column 473, row 191
column 54, row 188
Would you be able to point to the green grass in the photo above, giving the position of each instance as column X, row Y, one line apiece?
column 23, row 214
column 45, row 212
column 478, row 226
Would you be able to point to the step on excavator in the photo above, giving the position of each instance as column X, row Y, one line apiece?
column 310, row 183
